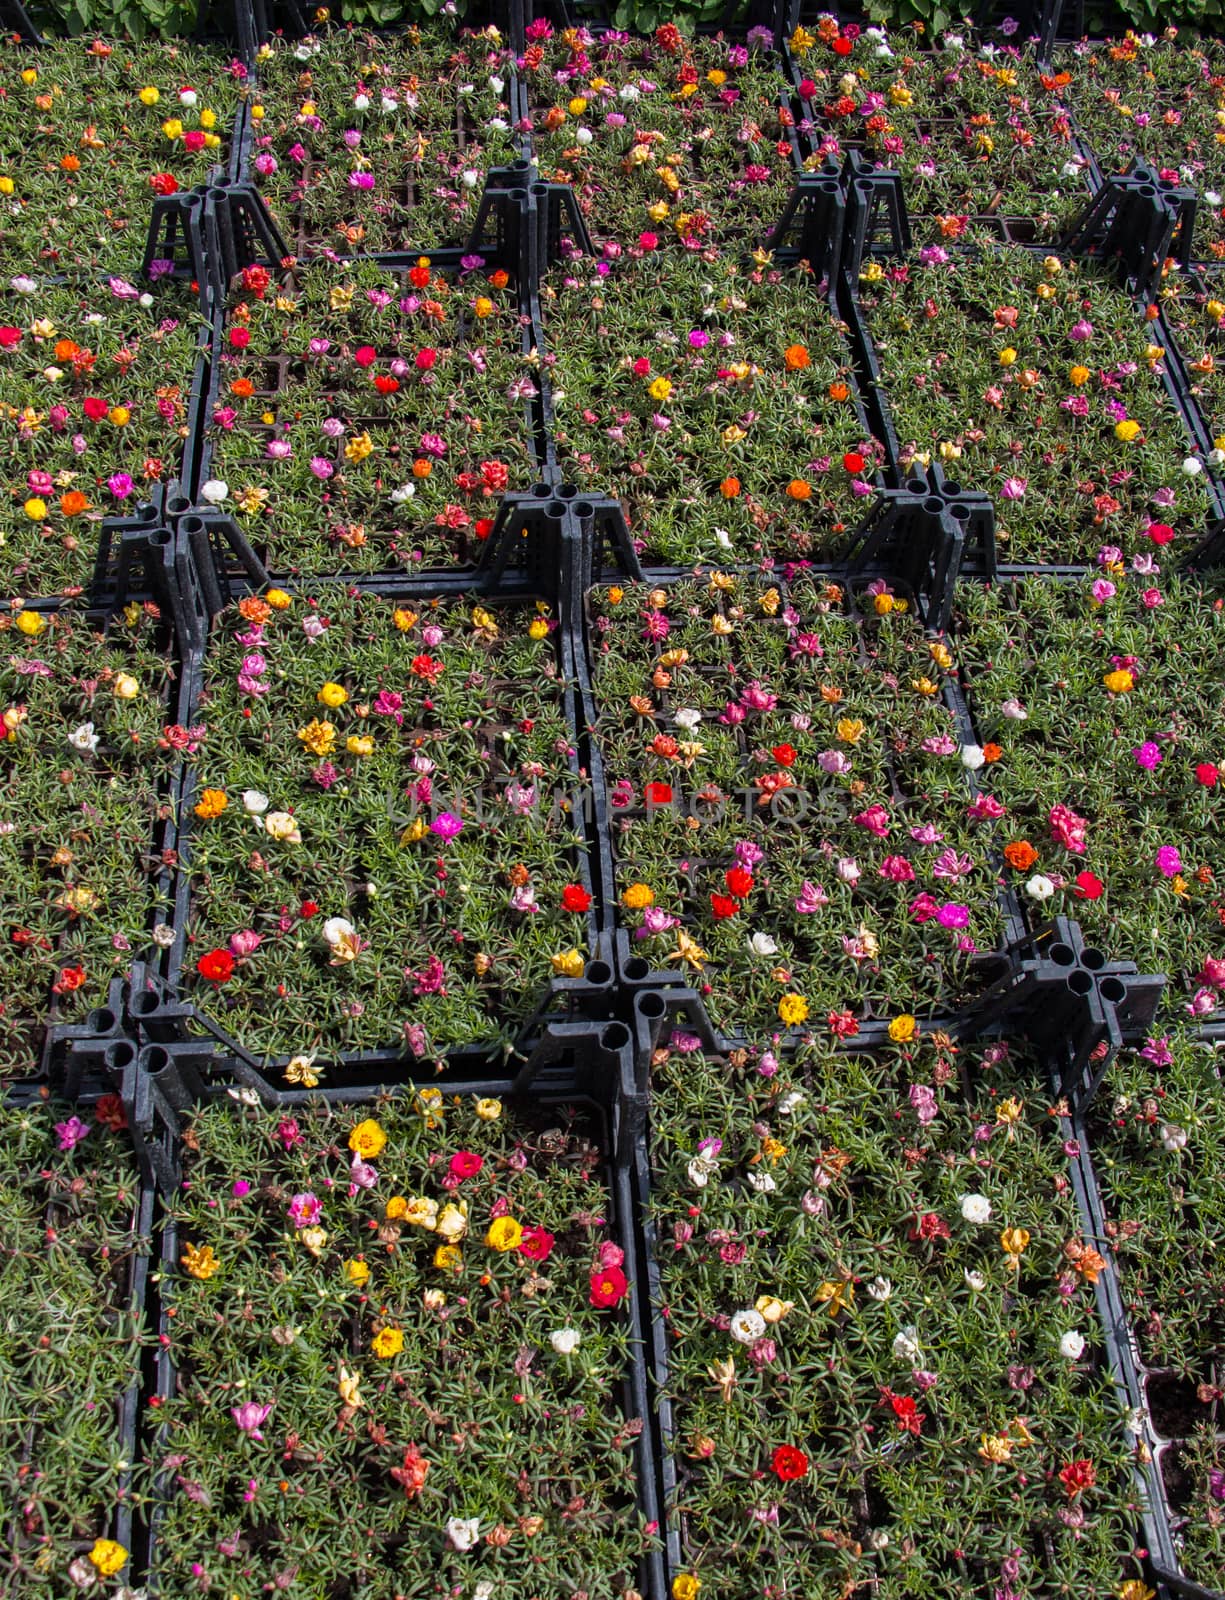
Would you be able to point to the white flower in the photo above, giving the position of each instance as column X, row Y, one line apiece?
column 700, row 1171
column 687, row 717
column 1216, row 457
column 747, row 1326
column 84, row 739
column 789, row 1102
column 723, row 539
column 497, row 85
column 302, row 52
column 1133, row 1422
column 337, row 928
column 880, row 1289
column 1192, row 467
column 972, row 756
column 1039, row 887
column 361, row 102
column 1071, row 169
column 1172, row 1136
column 498, row 124
column 628, row 91
column 762, row 1182
column 53, row 374
column 565, row 1341
column 405, row 492
column 388, row 104
column 906, row 1346
column 463, row 1532
column 163, row 935
column 761, row 944
column 24, row 285
column 976, row 1208
column 471, row 177
column 1014, row 711
column 254, row 803
column 188, row 98
column 484, row 1590
column 214, row 491
column 146, row 300
column 975, row 1281
column 1212, row 197
column 584, row 136
column 1071, row 1346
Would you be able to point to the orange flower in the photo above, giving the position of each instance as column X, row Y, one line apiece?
column 1020, row 854
column 422, row 468
column 839, row 391
column 799, row 489
column 243, row 388
column 70, row 162
column 796, row 358
column 499, row 279
column 254, row 609
column 992, row 752
column 65, row 350
column 73, row 503
column 730, row 488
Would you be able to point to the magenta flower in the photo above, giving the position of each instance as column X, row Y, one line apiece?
column 811, row 898
column 305, row 1210
column 446, row 825
column 240, row 1188
column 1014, row 488
column 1080, row 331
column 1148, row 755
column 1168, row 861
column 924, row 907
column 1068, row 829
column 71, row 1133
column 952, row 915
column 466, row 1164
column 656, row 920
column 361, row 180
column 250, row 1417
column 322, row 467
column 875, row 819
column 120, row 484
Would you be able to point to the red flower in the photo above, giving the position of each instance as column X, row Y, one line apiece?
column 789, row 1463
column 9, row 337
column 723, row 906
column 609, row 1287
column 365, row 355
column 842, row 1024
column 94, row 408
column 739, row 882
column 193, row 142
column 537, row 1244
column 426, row 667
column 1088, row 886
column 308, row 908
column 110, row 1113
column 1207, row 775
column 784, row 754
column 419, row 277
column 909, row 1418
column 483, row 527
column 929, row 1226
column 1078, row 1476
column 69, row 980
column 1159, row 532
column 495, row 475
column 386, row 384
column 164, row 183
column 658, row 794
column 412, row 1475
column 843, row 47
column 466, row 1164
column 217, row 966
column 240, row 338
column 425, row 359
column 852, row 460
column 575, row 898
column 642, row 367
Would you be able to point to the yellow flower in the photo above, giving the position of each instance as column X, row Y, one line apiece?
column 1052, row 266
column 301, row 1070
column 387, row 1342
column 1007, row 356
column 840, row 1296
column 360, row 744
column 149, row 96
column 172, row 128
column 924, row 686
column 488, row 1110
column 313, row 1240
column 802, row 41
column 332, row 695
column 31, row 623
column 941, row 656
column 1078, row 375
column 882, row 604
column 850, row 730
column 108, row 1557
column 774, row 1149
column 448, row 1258
column 35, row 508
column 368, row 1140
column 792, row 1009
column 1135, row 1589
column 404, row 619
column 504, row 1234
column 357, row 1272
column 341, row 297
column 660, row 389
column 772, row 1308
column 359, row 448
column 685, row 1586
column 689, row 951
column 278, row 599
column 125, row 686
column 538, row 628
column 903, row 1028
column 1119, row 682
column 120, row 416
column 996, row 1447
column 1010, row 1111
column 1014, row 1242
column 211, row 804
column 251, row 499
column 208, row 119
column 349, row 1388
column 1127, row 431
column 428, row 1104
column 7, row 186
column 568, row 964
column 318, row 737
column 199, row 1261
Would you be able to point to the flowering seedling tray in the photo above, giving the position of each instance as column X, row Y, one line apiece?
column 791, row 1239
column 77, row 1232
column 352, row 811
column 238, row 1440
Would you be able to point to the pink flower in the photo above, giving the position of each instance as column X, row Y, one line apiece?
column 1014, row 488
column 950, row 866
column 1213, row 972
column 656, row 920
column 1102, row 589
column 923, row 907
column 361, row 1175
column 811, row 898
column 1168, row 861
column 305, row 1210
column 834, row 762
column 250, row 1418
column 70, row 1133
column 1068, row 829
column 923, row 1102
column 245, row 943
column 985, row 808
column 875, row 819
column 896, row 869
